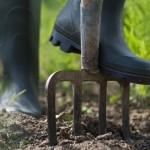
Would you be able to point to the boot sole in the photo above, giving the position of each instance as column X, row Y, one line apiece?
column 68, row 45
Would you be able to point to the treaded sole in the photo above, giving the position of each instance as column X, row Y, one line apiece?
column 65, row 44
column 69, row 46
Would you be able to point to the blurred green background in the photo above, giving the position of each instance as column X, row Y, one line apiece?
column 136, row 30
column 51, row 58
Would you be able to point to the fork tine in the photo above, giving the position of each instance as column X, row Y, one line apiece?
column 102, row 106
column 77, row 99
column 125, row 109
column 51, row 111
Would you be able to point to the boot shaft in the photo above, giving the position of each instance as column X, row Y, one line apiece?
column 18, row 17
column 111, row 22
column 112, row 18
column 19, row 37
column 69, row 17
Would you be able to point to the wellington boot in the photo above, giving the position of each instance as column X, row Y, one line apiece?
column 19, row 38
column 115, row 57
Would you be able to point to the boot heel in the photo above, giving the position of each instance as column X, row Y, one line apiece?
column 65, row 44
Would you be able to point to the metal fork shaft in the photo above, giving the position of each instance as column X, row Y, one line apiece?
column 90, row 34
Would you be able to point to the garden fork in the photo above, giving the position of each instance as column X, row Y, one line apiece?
column 90, row 32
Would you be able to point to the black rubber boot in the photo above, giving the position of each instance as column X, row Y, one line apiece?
column 115, row 57
column 19, row 38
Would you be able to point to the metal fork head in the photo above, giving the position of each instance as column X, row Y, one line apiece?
column 77, row 78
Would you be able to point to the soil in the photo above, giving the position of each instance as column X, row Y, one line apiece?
column 20, row 131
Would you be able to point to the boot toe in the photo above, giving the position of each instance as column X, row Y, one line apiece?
column 30, row 108
column 24, row 107
column 26, row 103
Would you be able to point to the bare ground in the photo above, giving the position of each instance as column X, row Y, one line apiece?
column 20, row 131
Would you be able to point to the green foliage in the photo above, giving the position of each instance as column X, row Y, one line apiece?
column 136, row 26
column 114, row 97
column 64, row 116
column 137, row 34
column 23, row 143
column 86, row 108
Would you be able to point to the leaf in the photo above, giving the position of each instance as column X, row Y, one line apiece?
column 16, row 97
